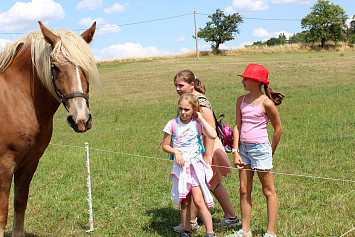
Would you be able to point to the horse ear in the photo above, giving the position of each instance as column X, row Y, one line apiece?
column 89, row 33
column 49, row 36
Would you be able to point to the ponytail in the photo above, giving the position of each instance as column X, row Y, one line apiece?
column 274, row 96
column 199, row 86
column 189, row 77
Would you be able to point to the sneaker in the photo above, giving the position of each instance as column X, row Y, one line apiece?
column 186, row 234
column 230, row 222
column 211, row 235
column 180, row 228
column 240, row 233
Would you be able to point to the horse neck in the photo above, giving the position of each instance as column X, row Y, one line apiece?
column 44, row 104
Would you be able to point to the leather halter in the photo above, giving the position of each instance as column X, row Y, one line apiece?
column 64, row 98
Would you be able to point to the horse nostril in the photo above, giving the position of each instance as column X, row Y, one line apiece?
column 71, row 122
column 88, row 123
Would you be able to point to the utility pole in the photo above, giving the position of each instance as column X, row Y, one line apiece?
column 197, row 53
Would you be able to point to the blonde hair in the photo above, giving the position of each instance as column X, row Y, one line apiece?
column 192, row 100
column 189, row 77
column 73, row 47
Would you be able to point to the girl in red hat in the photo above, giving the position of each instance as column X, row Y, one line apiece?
column 253, row 151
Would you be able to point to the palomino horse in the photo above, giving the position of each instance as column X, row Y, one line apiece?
column 36, row 74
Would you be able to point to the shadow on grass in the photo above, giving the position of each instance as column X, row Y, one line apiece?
column 8, row 234
column 163, row 220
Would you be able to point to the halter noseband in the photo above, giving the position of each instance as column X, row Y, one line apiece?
column 64, row 98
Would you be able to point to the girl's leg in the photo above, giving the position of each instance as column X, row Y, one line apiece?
column 269, row 191
column 185, row 212
column 246, row 186
column 193, row 211
column 202, row 208
column 221, row 194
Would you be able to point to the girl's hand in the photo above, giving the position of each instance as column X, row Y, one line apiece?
column 180, row 161
column 238, row 162
column 198, row 116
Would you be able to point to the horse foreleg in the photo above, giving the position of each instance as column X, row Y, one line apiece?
column 22, row 180
column 6, row 172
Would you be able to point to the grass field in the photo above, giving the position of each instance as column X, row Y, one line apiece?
column 131, row 194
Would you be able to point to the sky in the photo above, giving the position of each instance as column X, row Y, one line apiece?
column 146, row 28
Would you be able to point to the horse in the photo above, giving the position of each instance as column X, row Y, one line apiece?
column 38, row 73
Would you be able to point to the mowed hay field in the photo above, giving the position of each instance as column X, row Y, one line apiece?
column 129, row 175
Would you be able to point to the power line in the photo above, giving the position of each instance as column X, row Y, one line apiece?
column 161, row 19
column 127, row 24
column 255, row 18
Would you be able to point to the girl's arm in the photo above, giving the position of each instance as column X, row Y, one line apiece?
column 207, row 114
column 273, row 114
column 238, row 163
column 167, row 148
column 207, row 129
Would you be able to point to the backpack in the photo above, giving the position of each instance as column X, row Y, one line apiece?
column 174, row 128
column 224, row 133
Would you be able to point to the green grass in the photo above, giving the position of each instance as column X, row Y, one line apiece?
column 131, row 194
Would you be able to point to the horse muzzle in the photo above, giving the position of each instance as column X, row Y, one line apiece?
column 81, row 124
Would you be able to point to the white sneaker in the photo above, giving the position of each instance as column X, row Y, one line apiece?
column 180, row 228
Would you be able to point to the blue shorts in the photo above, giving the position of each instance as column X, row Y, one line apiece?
column 257, row 155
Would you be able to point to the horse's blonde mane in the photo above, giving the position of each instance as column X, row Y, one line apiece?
column 72, row 46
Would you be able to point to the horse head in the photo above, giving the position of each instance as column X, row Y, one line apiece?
column 70, row 81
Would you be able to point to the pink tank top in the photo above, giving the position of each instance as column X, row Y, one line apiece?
column 254, row 123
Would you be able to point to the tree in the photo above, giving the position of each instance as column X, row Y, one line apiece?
column 326, row 22
column 352, row 25
column 299, row 37
column 351, row 31
column 220, row 29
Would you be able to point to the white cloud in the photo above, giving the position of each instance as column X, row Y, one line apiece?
column 180, row 39
column 291, row 1
column 184, row 50
column 262, row 33
column 108, row 28
column 128, row 50
column 3, row 43
column 115, row 8
column 247, row 6
column 88, row 21
column 89, row 4
column 247, row 43
column 24, row 16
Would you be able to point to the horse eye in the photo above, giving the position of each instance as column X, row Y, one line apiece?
column 54, row 67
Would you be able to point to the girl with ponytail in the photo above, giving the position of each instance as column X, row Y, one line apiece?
column 186, row 82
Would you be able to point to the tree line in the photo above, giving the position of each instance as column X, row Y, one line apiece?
column 325, row 23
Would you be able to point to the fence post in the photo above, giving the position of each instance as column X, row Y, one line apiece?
column 91, row 218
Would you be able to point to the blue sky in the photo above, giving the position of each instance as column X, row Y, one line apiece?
column 144, row 28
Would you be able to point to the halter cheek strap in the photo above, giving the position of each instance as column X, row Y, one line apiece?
column 64, row 98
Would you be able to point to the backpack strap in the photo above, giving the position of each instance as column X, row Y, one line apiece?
column 198, row 126
column 174, row 127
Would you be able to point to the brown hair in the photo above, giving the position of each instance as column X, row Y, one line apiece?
column 189, row 77
column 192, row 100
column 274, row 96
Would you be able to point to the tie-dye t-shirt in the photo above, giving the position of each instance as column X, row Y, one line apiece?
column 186, row 140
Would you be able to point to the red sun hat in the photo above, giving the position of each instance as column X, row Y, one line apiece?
column 256, row 72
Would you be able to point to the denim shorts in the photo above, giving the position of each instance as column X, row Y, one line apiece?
column 257, row 155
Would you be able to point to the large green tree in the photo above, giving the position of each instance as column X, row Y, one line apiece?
column 325, row 22
column 220, row 29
